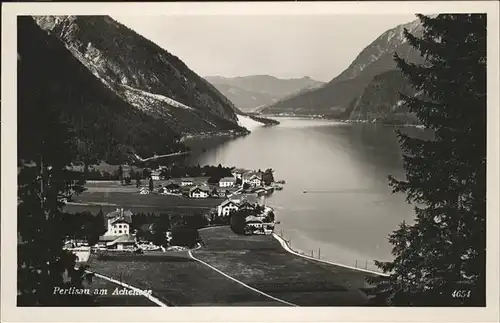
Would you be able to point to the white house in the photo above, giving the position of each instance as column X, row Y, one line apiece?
column 254, row 224
column 118, row 222
column 155, row 175
column 199, row 192
column 226, row 207
column 253, row 179
column 118, row 235
column 227, row 182
column 172, row 188
column 256, row 180
column 187, row 181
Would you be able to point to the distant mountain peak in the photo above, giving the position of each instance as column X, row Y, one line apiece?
column 386, row 43
column 335, row 97
column 253, row 91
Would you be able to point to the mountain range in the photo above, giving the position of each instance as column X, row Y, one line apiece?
column 249, row 93
column 123, row 94
column 340, row 97
column 143, row 74
column 127, row 98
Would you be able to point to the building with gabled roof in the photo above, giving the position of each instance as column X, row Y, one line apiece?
column 227, row 182
column 199, row 192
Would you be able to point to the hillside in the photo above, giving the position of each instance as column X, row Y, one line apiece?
column 146, row 76
column 381, row 101
column 251, row 92
column 334, row 98
column 107, row 127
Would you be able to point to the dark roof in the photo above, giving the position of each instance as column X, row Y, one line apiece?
column 120, row 219
column 126, row 238
column 199, row 188
column 227, row 202
column 126, row 215
column 107, row 238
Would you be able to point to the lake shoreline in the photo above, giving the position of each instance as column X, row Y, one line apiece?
column 344, row 121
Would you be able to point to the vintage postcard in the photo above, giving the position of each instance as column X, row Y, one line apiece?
column 225, row 161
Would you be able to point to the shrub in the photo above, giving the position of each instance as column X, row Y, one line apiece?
column 184, row 236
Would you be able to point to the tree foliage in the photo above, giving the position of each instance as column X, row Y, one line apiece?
column 107, row 127
column 268, row 177
column 185, row 236
column 46, row 148
column 237, row 220
column 444, row 250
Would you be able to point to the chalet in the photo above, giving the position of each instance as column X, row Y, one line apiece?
column 155, row 175
column 199, row 192
column 118, row 235
column 226, row 207
column 254, row 179
column 172, row 188
column 227, row 182
column 118, row 222
column 254, row 224
column 186, row 181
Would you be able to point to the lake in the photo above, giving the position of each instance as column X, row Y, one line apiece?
column 349, row 209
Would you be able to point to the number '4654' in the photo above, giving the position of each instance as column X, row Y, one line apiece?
column 461, row 293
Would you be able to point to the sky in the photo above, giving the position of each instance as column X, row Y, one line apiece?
column 320, row 47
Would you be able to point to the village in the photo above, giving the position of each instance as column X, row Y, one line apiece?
column 243, row 195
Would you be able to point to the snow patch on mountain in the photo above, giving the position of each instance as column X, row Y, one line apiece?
column 159, row 97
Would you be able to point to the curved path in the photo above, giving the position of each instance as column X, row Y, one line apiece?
column 240, row 282
column 120, row 300
column 261, row 263
column 176, row 279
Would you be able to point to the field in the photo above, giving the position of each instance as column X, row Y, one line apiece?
column 261, row 262
column 178, row 280
column 109, row 201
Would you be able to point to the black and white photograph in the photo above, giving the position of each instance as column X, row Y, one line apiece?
column 329, row 159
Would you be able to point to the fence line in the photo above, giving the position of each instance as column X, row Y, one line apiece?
column 316, row 254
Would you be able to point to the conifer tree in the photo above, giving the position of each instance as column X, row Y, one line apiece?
column 137, row 180
column 98, row 228
column 45, row 150
column 120, row 174
column 440, row 258
column 151, row 186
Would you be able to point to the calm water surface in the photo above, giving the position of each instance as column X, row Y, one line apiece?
column 349, row 209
